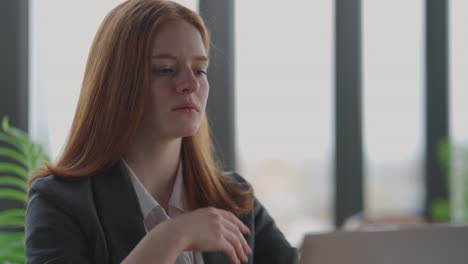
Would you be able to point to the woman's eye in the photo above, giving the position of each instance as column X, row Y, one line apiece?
column 200, row 73
column 163, row 71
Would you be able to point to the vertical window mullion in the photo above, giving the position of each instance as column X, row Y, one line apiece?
column 348, row 131
column 436, row 97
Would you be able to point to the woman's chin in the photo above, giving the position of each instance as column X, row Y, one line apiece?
column 186, row 132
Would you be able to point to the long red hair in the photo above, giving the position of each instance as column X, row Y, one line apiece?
column 111, row 104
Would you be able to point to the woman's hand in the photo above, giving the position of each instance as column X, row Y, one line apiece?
column 212, row 229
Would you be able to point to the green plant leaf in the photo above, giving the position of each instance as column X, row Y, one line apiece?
column 444, row 152
column 39, row 150
column 10, row 222
column 20, row 139
column 40, row 162
column 12, row 218
column 5, row 123
column 7, row 238
column 19, row 134
column 13, row 252
column 13, row 195
column 13, row 259
column 13, row 213
column 440, row 210
column 38, row 159
column 6, row 167
column 13, row 181
column 12, row 248
column 444, row 156
column 25, row 155
column 29, row 153
column 16, row 258
column 12, row 141
column 14, row 155
column 39, row 155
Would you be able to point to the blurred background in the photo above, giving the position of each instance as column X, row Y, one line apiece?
column 331, row 109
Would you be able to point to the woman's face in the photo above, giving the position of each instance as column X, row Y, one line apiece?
column 179, row 86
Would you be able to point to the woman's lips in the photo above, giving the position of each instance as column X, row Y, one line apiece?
column 186, row 107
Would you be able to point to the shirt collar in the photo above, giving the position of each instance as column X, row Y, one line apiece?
column 146, row 200
column 177, row 199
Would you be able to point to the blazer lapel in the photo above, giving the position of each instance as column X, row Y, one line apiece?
column 121, row 218
column 119, row 212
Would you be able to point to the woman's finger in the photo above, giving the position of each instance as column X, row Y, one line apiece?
column 235, row 243
column 231, row 217
column 229, row 250
column 235, row 229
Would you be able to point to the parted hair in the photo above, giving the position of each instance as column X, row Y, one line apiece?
column 111, row 103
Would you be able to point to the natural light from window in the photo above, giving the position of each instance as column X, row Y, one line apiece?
column 284, row 109
column 393, row 67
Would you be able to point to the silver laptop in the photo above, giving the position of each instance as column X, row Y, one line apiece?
column 423, row 245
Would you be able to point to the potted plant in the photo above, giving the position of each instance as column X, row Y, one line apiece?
column 454, row 160
column 20, row 157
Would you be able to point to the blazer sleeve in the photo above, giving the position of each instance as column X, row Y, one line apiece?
column 270, row 244
column 52, row 235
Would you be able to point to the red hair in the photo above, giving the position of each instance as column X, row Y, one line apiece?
column 111, row 104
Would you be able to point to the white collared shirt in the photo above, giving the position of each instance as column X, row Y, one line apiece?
column 153, row 213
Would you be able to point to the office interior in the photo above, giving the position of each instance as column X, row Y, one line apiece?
column 340, row 113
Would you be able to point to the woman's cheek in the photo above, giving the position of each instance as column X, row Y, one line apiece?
column 206, row 91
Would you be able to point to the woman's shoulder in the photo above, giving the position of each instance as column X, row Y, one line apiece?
column 235, row 176
column 61, row 192
column 52, row 184
column 237, row 179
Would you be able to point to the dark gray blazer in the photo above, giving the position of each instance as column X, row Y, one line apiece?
column 98, row 220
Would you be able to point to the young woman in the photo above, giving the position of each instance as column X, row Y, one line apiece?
column 137, row 181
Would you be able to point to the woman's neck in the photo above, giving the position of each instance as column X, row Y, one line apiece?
column 155, row 164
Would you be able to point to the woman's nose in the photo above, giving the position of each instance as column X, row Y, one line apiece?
column 188, row 82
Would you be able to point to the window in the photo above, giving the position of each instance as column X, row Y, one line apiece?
column 458, row 58
column 393, row 49
column 458, row 41
column 284, row 109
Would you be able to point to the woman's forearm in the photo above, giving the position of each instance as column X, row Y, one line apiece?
column 158, row 246
column 205, row 229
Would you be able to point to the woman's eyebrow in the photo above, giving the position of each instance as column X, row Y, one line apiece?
column 173, row 57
